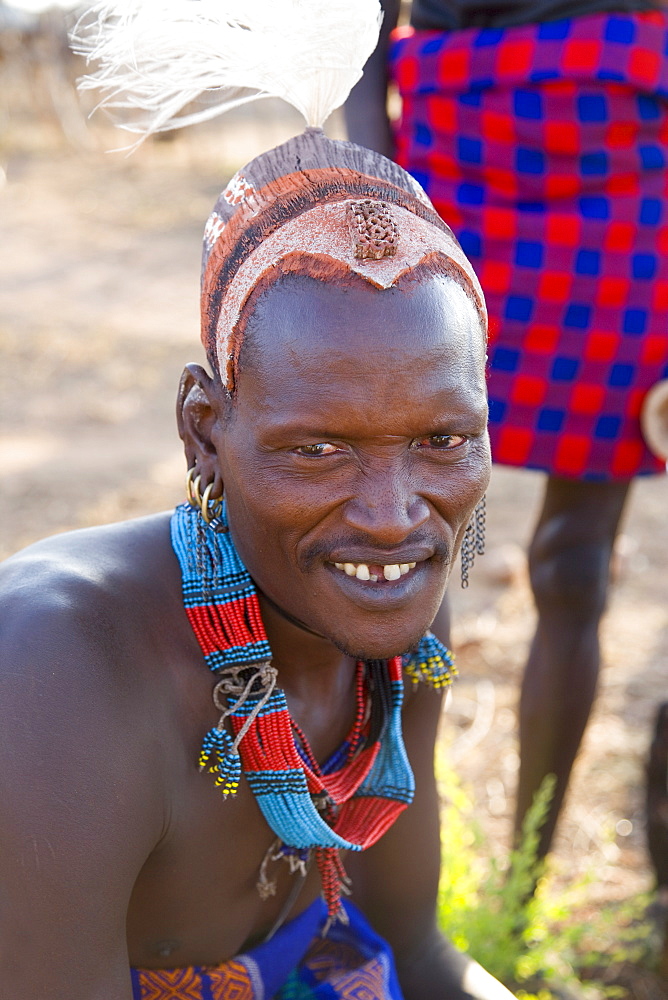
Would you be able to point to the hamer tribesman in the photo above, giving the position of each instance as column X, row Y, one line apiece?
column 217, row 724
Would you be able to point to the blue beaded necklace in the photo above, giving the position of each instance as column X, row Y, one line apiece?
column 350, row 802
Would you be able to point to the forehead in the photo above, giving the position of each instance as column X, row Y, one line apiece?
column 312, row 344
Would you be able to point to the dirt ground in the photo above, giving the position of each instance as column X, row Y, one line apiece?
column 99, row 313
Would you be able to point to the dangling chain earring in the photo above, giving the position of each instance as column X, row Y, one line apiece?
column 473, row 542
column 480, row 513
column 211, row 508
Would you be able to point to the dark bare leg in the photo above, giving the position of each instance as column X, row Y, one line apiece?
column 569, row 561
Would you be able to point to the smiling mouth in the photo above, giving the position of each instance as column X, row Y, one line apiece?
column 375, row 572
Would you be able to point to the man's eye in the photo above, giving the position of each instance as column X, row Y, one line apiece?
column 441, row 442
column 316, row 450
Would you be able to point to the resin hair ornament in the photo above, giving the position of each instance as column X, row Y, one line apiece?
column 318, row 207
column 311, row 206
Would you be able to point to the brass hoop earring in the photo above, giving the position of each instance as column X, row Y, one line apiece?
column 193, row 487
column 210, row 508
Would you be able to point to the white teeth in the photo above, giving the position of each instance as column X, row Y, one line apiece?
column 391, row 572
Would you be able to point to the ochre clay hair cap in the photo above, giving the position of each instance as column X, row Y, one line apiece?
column 307, row 204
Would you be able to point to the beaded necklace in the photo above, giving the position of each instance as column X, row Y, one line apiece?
column 351, row 800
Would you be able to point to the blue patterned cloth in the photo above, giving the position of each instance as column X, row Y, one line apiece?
column 350, row 963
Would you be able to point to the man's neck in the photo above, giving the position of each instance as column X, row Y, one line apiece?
column 306, row 662
column 317, row 678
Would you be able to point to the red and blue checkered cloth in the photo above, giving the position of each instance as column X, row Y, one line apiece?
column 544, row 146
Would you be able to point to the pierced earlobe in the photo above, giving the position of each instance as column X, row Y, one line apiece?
column 211, row 509
column 196, row 415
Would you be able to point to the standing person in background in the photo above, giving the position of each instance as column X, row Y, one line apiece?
column 538, row 129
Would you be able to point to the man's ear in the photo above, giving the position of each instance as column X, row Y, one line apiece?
column 197, row 410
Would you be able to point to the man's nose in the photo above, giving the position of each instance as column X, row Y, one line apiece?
column 386, row 505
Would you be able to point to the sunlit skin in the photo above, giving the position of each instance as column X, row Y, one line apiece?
column 357, row 433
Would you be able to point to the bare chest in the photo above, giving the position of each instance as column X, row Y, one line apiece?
column 196, row 900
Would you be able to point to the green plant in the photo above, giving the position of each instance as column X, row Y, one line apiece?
column 488, row 908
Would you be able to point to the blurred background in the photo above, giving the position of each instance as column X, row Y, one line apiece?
column 98, row 315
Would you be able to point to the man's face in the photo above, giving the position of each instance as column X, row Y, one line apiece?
column 356, row 451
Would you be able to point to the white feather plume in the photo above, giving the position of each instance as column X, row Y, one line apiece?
column 158, row 56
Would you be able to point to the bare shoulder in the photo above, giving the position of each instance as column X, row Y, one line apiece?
column 421, row 715
column 82, row 622
column 83, row 781
column 87, row 587
column 89, row 561
column 86, row 622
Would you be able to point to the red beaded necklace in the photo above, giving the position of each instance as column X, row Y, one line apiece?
column 352, row 799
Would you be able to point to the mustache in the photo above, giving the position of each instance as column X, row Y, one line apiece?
column 441, row 550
